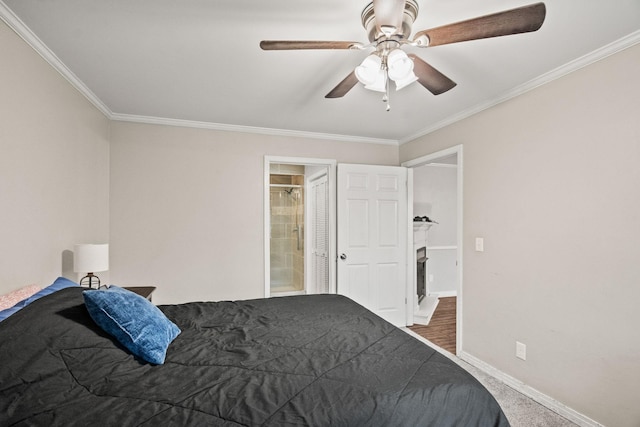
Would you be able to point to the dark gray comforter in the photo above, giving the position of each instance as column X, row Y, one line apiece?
column 312, row 360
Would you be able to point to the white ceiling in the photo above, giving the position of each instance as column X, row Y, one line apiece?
column 199, row 61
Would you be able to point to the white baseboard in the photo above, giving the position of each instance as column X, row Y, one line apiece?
column 549, row 402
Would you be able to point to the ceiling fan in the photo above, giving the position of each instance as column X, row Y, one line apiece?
column 388, row 25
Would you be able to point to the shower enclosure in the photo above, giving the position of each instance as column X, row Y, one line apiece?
column 287, row 229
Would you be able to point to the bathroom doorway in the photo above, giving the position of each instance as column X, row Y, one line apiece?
column 286, row 244
column 299, row 223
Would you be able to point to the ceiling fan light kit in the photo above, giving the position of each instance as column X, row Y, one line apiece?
column 375, row 70
column 388, row 25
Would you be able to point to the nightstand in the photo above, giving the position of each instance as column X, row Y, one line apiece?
column 143, row 291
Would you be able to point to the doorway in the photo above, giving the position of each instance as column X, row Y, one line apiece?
column 286, row 209
column 299, row 218
column 444, row 237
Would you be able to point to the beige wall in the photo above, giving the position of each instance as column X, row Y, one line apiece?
column 187, row 206
column 54, row 166
column 552, row 183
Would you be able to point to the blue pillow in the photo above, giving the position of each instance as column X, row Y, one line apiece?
column 8, row 312
column 59, row 283
column 136, row 323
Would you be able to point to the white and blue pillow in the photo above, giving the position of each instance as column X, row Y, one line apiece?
column 59, row 283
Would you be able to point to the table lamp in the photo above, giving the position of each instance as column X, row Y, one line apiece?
column 90, row 258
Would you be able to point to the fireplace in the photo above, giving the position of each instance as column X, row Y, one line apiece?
column 421, row 271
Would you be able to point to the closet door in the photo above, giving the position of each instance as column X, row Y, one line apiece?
column 319, row 194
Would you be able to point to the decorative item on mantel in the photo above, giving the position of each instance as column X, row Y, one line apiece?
column 422, row 223
column 90, row 258
column 424, row 219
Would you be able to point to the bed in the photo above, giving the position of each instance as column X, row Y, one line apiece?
column 314, row 360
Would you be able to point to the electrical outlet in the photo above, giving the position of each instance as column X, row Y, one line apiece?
column 521, row 350
column 431, row 278
column 479, row 244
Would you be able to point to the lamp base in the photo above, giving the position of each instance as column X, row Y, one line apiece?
column 90, row 278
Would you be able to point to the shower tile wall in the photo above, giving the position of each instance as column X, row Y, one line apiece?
column 287, row 255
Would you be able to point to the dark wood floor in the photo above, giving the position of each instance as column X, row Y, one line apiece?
column 442, row 327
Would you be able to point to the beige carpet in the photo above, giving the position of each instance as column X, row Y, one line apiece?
column 521, row 411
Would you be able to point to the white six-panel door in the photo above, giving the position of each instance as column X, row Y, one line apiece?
column 372, row 238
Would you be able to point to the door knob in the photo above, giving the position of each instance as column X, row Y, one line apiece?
column 343, row 256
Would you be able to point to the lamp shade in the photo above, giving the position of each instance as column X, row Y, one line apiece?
column 406, row 81
column 368, row 72
column 380, row 83
column 90, row 258
column 400, row 65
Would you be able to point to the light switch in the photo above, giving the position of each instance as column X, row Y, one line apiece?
column 521, row 350
column 479, row 244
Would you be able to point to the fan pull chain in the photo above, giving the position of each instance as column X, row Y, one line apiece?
column 386, row 98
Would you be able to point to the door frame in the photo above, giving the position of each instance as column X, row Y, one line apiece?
column 429, row 158
column 330, row 164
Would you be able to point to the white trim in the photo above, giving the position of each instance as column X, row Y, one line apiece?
column 460, row 227
column 267, row 228
column 561, row 71
column 444, row 294
column 331, row 182
column 530, row 392
column 249, row 129
column 443, row 165
column 441, row 248
column 15, row 23
column 456, row 149
column 429, row 157
column 546, row 401
column 410, row 292
column 47, row 54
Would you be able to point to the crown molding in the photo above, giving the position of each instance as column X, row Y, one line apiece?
column 561, row 71
column 20, row 28
column 248, row 129
column 16, row 24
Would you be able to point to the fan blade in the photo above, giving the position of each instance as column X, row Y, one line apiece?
column 388, row 15
column 520, row 20
column 433, row 80
column 306, row 44
column 343, row 87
